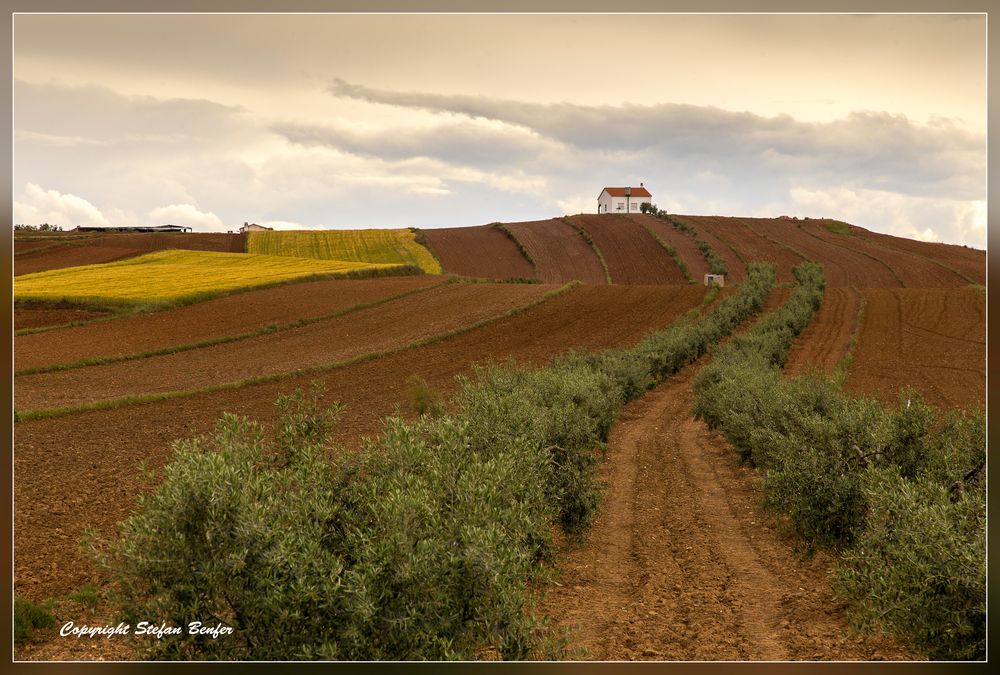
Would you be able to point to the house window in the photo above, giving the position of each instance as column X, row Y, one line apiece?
column 620, row 206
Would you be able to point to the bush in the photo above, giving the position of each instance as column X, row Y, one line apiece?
column 919, row 568
column 416, row 547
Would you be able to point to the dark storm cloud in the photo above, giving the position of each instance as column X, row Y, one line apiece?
column 456, row 143
column 871, row 149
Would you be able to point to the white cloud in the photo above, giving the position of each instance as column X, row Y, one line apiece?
column 579, row 203
column 189, row 215
column 38, row 205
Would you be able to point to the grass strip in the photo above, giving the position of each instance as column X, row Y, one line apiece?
column 671, row 251
column 716, row 265
column 517, row 242
column 844, row 364
column 224, row 339
column 125, row 401
column 593, row 244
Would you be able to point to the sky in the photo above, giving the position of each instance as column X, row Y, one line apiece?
column 418, row 120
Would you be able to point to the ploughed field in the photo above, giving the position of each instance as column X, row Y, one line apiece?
column 79, row 470
column 99, row 398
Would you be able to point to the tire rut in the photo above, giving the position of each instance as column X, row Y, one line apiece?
column 680, row 565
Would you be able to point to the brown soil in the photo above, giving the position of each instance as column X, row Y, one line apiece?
column 751, row 245
column 842, row 266
column 483, row 252
column 969, row 261
column 631, row 253
column 825, row 340
column 680, row 565
column 79, row 471
column 32, row 317
column 737, row 270
column 683, row 243
column 387, row 326
column 218, row 317
column 70, row 256
column 194, row 241
column 916, row 271
column 931, row 339
column 559, row 251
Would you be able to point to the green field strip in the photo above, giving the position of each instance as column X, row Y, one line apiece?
column 520, row 247
column 671, row 251
column 125, row 401
column 223, row 339
column 593, row 245
column 395, row 247
column 884, row 264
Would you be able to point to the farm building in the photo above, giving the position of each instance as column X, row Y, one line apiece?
column 254, row 227
column 623, row 199
column 717, row 279
column 134, row 228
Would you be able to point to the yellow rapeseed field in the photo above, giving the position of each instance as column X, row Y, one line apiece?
column 173, row 276
column 398, row 247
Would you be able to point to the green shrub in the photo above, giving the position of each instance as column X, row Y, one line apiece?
column 27, row 617
column 919, row 568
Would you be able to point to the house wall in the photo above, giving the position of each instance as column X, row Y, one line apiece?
column 613, row 203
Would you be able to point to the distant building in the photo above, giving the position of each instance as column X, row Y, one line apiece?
column 254, row 227
column 623, row 199
column 717, row 279
column 134, row 228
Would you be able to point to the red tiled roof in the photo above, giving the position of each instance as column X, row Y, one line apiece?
column 620, row 192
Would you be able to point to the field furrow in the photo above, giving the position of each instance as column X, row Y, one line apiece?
column 80, row 471
column 933, row 340
column 385, row 327
column 682, row 242
column 751, row 245
column 631, row 253
column 824, row 342
column 842, row 266
column 483, row 252
column 559, row 251
column 915, row 271
column 210, row 320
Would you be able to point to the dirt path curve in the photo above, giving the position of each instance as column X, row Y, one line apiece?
column 680, row 565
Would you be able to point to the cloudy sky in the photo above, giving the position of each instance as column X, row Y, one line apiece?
column 338, row 120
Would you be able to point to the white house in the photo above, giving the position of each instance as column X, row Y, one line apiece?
column 623, row 199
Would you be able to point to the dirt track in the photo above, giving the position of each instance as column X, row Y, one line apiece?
column 80, row 471
column 559, row 251
column 632, row 255
column 218, row 317
column 483, row 252
column 825, row 340
column 931, row 339
column 680, row 566
column 387, row 326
